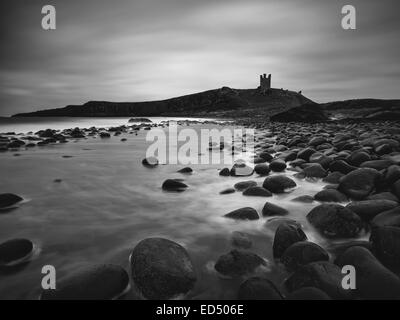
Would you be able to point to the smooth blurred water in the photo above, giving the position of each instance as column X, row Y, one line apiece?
column 108, row 201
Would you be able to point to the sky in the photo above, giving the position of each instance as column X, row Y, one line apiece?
column 141, row 50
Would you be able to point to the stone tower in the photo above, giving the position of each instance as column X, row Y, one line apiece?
column 265, row 82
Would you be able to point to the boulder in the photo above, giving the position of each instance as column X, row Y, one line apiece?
column 304, row 199
column 277, row 165
column 246, row 213
column 358, row 157
column 239, row 263
column 287, row 234
column 386, row 245
column 377, row 164
column 271, row 209
column 173, row 185
column 257, row 288
column 241, row 170
column 315, row 170
column 359, row 183
column 257, row 192
column 225, row 172
column 161, row 269
column 322, row 275
column 373, row 280
column 341, row 166
column 302, row 253
column 278, row 183
column 97, row 282
column 150, row 162
column 387, row 218
column 305, row 154
column 368, row 209
column 262, row 169
column 330, row 195
column 333, row 177
column 335, row 221
column 242, row 185
column 186, row 170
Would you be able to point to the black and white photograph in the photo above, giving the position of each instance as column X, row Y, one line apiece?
column 203, row 154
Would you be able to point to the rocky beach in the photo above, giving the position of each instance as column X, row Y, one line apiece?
column 313, row 197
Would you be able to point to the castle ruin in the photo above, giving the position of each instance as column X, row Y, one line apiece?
column 265, row 82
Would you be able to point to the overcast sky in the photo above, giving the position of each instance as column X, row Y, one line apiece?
column 153, row 49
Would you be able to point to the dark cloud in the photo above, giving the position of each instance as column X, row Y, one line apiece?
column 152, row 49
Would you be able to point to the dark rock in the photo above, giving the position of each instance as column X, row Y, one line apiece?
column 302, row 253
column 333, row 177
column 392, row 175
column 15, row 251
column 162, row 269
column 142, row 120
column 271, row 209
column 315, row 170
column 322, row 275
column 286, row 235
column 305, row 154
column 316, row 141
column 341, row 166
column 228, row 191
column 338, row 248
column 257, row 288
column 330, row 195
column 242, row 185
column 98, row 282
column 278, row 183
column 241, row 240
column 225, row 172
column 335, row 221
column 308, row 293
column 396, row 188
column 8, row 200
column 359, row 183
column 266, row 156
column 322, row 159
column 304, row 199
column 358, row 157
column 262, row 169
column 277, row 165
column 383, row 196
column 368, row 209
column 186, row 170
column 173, row 185
column 104, row 135
column 298, row 163
column 373, row 280
column 387, row 218
column 257, row 192
column 386, row 245
column 238, row 263
column 246, row 213
column 377, row 164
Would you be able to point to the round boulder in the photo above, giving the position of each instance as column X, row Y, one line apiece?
column 245, row 213
column 278, row 183
column 161, row 269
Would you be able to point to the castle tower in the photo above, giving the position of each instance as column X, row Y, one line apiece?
column 265, row 82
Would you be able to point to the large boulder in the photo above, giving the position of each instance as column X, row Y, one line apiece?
column 257, row 192
column 322, row 275
column 277, row 165
column 387, row 218
column 386, row 245
column 241, row 170
column 262, row 169
column 239, row 263
column 302, row 253
column 368, row 209
column 315, row 170
column 242, row 185
column 97, row 282
column 335, row 221
column 161, row 269
column 373, row 280
column 245, row 213
column 359, row 183
column 257, row 288
column 278, row 183
column 287, row 234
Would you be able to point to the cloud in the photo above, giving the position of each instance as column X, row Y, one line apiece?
column 154, row 49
